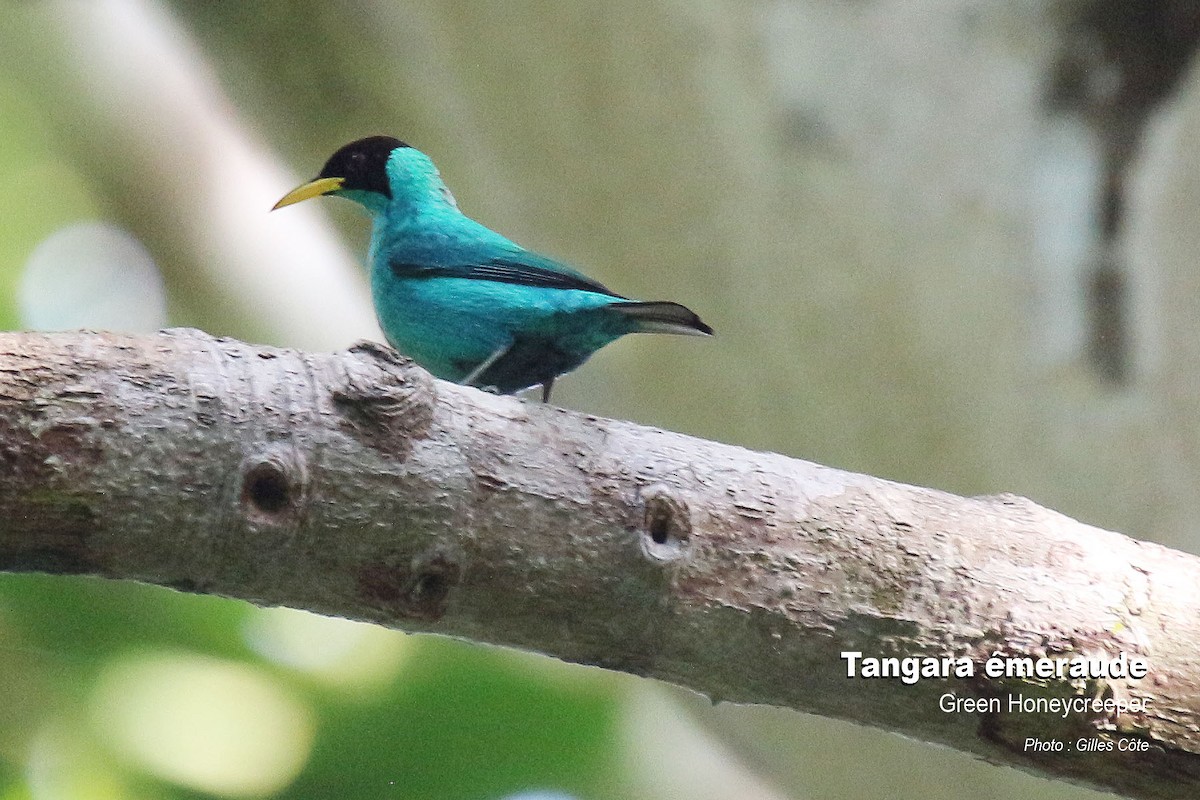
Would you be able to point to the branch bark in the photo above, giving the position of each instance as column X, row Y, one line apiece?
column 354, row 484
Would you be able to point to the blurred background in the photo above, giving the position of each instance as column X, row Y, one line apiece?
column 946, row 243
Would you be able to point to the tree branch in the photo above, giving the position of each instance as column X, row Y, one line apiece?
column 353, row 484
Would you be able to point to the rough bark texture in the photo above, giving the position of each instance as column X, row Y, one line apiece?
column 353, row 484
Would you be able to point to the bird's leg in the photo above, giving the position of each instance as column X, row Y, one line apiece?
column 485, row 364
column 546, row 387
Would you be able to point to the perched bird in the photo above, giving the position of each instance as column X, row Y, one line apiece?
column 463, row 301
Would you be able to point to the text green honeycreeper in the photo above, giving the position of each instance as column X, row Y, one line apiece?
column 461, row 300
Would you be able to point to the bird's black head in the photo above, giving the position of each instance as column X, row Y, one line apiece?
column 362, row 164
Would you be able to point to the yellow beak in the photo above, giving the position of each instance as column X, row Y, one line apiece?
column 310, row 190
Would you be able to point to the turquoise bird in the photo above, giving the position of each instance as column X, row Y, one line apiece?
column 461, row 300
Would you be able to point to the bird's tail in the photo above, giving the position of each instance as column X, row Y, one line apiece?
column 663, row 317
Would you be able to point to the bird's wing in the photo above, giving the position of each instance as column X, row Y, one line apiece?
column 524, row 268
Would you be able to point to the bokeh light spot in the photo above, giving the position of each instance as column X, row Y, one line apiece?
column 338, row 652
column 207, row 724
column 91, row 275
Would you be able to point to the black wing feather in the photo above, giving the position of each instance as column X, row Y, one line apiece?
column 507, row 271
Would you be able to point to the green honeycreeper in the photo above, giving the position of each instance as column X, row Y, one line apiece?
column 461, row 300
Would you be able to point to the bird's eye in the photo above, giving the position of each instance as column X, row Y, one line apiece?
column 357, row 158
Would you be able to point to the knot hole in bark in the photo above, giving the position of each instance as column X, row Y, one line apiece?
column 435, row 574
column 421, row 592
column 266, row 489
column 273, row 485
column 667, row 524
column 430, row 590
